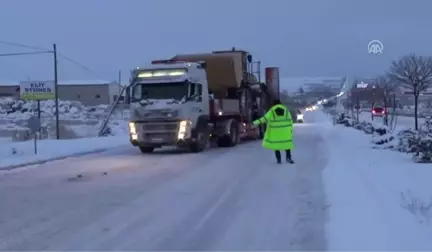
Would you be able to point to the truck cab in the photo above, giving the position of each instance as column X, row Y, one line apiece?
column 168, row 102
column 191, row 100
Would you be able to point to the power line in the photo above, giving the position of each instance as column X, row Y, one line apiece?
column 22, row 46
column 82, row 66
column 25, row 53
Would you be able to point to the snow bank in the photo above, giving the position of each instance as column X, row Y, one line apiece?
column 17, row 153
column 379, row 200
column 404, row 140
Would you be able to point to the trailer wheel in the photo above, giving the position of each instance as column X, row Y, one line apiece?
column 232, row 138
column 146, row 149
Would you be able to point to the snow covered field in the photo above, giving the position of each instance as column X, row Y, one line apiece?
column 378, row 199
column 76, row 120
column 79, row 125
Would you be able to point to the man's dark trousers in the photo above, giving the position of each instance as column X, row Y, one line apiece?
column 287, row 155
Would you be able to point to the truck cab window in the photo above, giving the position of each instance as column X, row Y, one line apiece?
column 195, row 92
column 199, row 92
column 192, row 89
column 160, row 91
column 199, row 89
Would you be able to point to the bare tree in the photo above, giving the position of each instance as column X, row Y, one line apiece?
column 414, row 73
column 386, row 90
column 301, row 91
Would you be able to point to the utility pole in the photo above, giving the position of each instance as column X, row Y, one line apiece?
column 119, row 80
column 56, row 93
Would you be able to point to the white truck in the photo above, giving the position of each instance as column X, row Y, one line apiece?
column 190, row 100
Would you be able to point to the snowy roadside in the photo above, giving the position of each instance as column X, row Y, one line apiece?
column 379, row 199
column 402, row 122
column 17, row 154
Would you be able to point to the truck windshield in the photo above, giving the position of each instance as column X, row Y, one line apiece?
column 174, row 90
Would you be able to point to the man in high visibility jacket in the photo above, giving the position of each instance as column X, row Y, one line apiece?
column 278, row 134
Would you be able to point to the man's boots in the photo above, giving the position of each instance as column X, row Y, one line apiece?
column 288, row 157
column 278, row 157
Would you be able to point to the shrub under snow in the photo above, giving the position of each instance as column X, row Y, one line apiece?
column 419, row 143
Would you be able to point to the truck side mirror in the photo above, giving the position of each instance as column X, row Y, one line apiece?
column 202, row 65
column 249, row 58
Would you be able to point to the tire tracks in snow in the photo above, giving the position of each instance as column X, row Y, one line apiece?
column 44, row 219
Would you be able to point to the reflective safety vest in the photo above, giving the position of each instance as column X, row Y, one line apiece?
column 278, row 135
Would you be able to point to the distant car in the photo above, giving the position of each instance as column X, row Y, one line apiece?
column 378, row 111
column 299, row 116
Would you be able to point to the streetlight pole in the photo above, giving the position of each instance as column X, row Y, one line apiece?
column 56, row 92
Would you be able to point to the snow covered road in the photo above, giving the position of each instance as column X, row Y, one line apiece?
column 222, row 199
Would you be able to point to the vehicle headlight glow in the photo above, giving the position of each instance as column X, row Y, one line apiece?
column 176, row 73
column 183, row 129
column 132, row 128
column 161, row 73
column 300, row 117
column 132, row 131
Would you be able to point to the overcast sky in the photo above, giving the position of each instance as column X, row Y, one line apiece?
column 302, row 37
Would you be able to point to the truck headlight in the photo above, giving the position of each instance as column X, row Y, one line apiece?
column 300, row 117
column 132, row 131
column 183, row 128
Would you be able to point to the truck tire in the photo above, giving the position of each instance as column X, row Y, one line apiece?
column 146, row 149
column 202, row 138
column 200, row 144
column 232, row 138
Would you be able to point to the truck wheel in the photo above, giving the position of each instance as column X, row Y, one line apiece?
column 232, row 138
column 146, row 149
column 201, row 142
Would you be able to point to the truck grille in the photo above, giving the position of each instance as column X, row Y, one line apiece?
column 160, row 126
column 160, row 138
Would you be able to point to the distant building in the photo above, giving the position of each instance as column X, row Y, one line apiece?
column 90, row 93
column 406, row 97
column 312, row 84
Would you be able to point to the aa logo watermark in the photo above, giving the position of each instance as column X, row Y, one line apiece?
column 375, row 47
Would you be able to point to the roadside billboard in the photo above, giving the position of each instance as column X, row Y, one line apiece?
column 37, row 90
